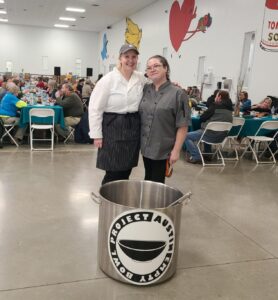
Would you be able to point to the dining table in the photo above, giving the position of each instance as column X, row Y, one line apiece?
column 58, row 118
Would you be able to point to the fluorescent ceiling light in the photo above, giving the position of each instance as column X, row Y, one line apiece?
column 75, row 9
column 3, row 20
column 61, row 25
column 2, row 1
column 67, row 19
column 3, row 12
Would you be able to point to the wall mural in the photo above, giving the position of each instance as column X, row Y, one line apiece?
column 180, row 20
column 104, row 47
column 269, row 41
column 133, row 33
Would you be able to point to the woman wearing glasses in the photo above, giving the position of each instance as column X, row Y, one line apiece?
column 114, row 119
column 165, row 117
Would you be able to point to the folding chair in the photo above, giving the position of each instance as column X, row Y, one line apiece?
column 7, row 132
column 276, row 142
column 231, row 139
column 259, row 139
column 47, row 117
column 224, row 127
column 70, row 135
column 85, row 102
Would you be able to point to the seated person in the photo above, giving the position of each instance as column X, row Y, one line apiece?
column 245, row 103
column 87, row 91
column 3, row 90
column 40, row 84
column 79, row 86
column 189, row 90
column 9, row 106
column 274, row 103
column 52, row 88
column 58, row 93
column 72, row 107
column 211, row 98
column 263, row 106
column 195, row 93
column 220, row 111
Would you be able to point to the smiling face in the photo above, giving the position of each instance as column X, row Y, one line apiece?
column 266, row 103
column 156, row 71
column 128, row 61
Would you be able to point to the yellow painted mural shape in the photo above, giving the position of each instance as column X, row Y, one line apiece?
column 133, row 34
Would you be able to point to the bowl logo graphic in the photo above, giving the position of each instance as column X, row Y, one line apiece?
column 141, row 245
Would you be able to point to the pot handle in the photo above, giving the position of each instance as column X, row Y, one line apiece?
column 95, row 198
column 182, row 199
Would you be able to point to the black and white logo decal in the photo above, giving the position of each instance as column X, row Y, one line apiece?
column 141, row 245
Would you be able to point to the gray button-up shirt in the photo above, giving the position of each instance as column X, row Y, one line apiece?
column 162, row 113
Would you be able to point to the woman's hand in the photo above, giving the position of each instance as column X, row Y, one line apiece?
column 175, row 155
column 98, row 143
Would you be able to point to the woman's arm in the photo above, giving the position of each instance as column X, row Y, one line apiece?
column 180, row 137
column 97, row 106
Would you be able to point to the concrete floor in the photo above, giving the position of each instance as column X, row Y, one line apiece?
column 48, row 230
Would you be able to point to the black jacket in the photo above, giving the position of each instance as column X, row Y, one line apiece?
column 218, row 112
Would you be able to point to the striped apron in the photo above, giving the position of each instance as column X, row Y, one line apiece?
column 121, row 142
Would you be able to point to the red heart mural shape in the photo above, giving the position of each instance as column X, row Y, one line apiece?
column 180, row 20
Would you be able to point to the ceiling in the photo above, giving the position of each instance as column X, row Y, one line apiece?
column 46, row 13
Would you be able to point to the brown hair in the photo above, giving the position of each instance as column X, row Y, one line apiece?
column 224, row 95
column 164, row 63
column 245, row 94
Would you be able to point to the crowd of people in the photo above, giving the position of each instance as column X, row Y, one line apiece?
column 130, row 111
column 71, row 96
column 124, row 98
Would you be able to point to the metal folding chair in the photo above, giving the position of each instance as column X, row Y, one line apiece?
column 259, row 143
column 85, row 102
column 231, row 139
column 276, row 142
column 70, row 135
column 7, row 132
column 42, row 113
column 224, row 127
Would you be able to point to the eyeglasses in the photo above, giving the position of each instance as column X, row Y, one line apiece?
column 154, row 67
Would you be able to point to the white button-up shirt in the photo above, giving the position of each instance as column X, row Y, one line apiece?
column 113, row 93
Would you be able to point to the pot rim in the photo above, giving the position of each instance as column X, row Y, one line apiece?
column 141, row 181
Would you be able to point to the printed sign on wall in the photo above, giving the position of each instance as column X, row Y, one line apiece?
column 269, row 41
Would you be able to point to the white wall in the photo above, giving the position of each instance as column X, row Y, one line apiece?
column 222, row 44
column 25, row 46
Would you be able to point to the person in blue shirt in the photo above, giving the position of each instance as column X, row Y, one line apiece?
column 3, row 90
column 9, row 107
column 245, row 103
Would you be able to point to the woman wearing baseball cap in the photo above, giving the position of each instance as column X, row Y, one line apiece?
column 114, row 119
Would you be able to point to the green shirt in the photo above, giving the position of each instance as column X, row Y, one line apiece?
column 72, row 105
